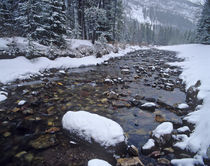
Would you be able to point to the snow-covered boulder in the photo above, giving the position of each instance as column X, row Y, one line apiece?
column 93, row 128
column 163, row 133
column 98, row 162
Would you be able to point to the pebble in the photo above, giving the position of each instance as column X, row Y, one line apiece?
column 20, row 154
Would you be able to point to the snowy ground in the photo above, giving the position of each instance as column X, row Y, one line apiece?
column 196, row 67
column 21, row 67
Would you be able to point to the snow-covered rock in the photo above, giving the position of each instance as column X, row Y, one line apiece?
column 98, row 162
column 3, row 96
column 183, row 129
column 183, row 106
column 148, row 106
column 21, row 102
column 88, row 127
column 149, row 144
column 163, row 133
column 163, row 129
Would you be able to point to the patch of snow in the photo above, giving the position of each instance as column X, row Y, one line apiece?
column 21, row 67
column 180, row 137
column 72, row 142
column 150, row 143
column 183, row 129
column 196, row 67
column 183, row 106
column 98, row 162
column 163, row 129
column 21, row 102
column 90, row 126
column 75, row 43
column 187, row 161
column 108, row 80
column 150, row 104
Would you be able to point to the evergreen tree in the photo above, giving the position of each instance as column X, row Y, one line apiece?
column 6, row 18
column 203, row 31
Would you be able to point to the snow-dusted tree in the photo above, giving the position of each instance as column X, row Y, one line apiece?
column 95, row 18
column 50, row 22
column 58, row 20
column 6, row 18
column 203, row 31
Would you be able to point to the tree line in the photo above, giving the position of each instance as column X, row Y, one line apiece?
column 52, row 21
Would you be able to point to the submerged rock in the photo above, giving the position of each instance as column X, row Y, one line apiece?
column 135, row 161
column 43, row 142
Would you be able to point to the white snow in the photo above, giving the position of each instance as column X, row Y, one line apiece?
column 183, row 129
column 187, row 161
column 149, row 144
column 149, row 104
column 98, row 162
column 196, row 67
column 21, row 102
column 183, row 106
column 20, row 67
column 163, row 129
column 75, row 43
column 3, row 95
column 90, row 126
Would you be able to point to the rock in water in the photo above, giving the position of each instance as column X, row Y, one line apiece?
column 148, row 106
column 93, row 128
column 162, row 134
column 44, row 141
column 148, row 146
column 133, row 151
column 97, row 162
column 135, row 161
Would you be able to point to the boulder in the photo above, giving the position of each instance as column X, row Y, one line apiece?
column 163, row 133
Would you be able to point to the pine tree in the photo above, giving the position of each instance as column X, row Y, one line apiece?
column 203, row 31
column 6, row 18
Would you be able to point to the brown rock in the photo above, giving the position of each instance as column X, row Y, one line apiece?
column 133, row 151
column 163, row 161
column 135, row 161
column 159, row 118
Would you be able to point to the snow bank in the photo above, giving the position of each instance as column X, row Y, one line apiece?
column 20, row 67
column 90, row 126
column 163, row 129
column 196, row 67
column 97, row 162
